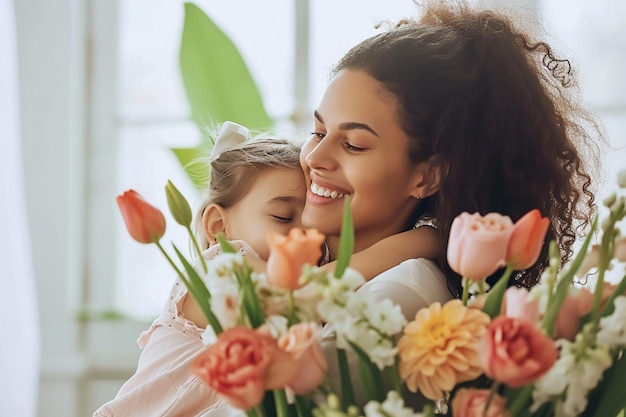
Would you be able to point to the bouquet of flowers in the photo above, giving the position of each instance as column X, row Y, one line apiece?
column 554, row 350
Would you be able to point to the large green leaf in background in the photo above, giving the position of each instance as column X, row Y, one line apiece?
column 218, row 83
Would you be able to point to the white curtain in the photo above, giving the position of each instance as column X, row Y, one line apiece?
column 19, row 343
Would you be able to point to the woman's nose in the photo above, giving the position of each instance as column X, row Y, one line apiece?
column 319, row 154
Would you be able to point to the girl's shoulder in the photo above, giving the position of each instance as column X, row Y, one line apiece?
column 240, row 246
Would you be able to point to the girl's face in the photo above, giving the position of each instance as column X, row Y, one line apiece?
column 359, row 149
column 274, row 203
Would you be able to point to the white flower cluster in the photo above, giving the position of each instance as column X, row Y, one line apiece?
column 577, row 371
column 361, row 319
column 392, row 406
column 612, row 331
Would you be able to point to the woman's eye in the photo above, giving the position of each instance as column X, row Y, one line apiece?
column 353, row 148
column 318, row 135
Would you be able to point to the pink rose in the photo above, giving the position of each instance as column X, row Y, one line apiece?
column 526, row 240
column 515, row 351
column 302, row 342
column 288, row 254
column 517, row 304
column 243, row 364
column 574, row 307
column 478, row 244
column 471, row 402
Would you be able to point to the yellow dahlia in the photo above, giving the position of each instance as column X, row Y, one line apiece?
column 439, row 348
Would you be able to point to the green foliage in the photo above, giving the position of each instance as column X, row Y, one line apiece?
column 218, row 84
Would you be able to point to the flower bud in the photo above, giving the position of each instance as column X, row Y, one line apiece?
column 179, row 207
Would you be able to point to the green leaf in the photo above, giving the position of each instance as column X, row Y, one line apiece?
column 199, row 291
column 198, row 174
column 346, row 240
column 218, row 83
column 493, row 302
column 371, row 376
column 607, row 398
column 347, row 393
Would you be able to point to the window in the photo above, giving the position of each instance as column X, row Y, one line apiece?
column 152, row 111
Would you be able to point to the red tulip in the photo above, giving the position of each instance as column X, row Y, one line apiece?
column 526, row 240
column 145, row 223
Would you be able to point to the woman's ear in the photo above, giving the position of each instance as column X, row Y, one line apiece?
column 429, row 175
column 213, row 222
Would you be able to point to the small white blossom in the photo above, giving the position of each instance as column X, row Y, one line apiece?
column 222, row 265
column 225, row 306
column 612, row 331
column 610, row 199
column 385, row 316
column 392, row 406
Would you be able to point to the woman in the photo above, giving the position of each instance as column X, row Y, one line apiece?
column 458, row 111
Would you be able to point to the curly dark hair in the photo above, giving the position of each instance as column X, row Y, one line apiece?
column 497, row 112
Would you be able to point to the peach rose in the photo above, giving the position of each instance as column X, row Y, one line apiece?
column 515, row 351
column 243, row 364
column 145, row 223
column 471, row 402
column 302, row 342
column 526, row 240
column 478, row 244
column 288, row 254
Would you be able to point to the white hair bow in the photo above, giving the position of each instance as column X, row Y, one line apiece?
column 231, row 136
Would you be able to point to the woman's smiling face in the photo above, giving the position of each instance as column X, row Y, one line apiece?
column 358, row 148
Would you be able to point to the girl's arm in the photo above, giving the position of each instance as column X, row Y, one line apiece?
column 422, row 242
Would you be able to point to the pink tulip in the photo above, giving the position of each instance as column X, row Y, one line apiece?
column 471, row 402
column 302, row 342
column 526, row 240
column 243, row 364
column 288, row 254
column 515, row 351
column 145, row 223
column 477, row 245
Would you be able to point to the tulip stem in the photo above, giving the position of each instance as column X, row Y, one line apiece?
column 280, row 399
column 465, row 295
column 197, row 248
column 291, row 315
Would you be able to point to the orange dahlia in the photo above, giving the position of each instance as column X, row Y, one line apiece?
column 439, row 348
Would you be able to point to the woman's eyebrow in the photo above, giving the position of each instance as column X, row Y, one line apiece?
column 349, row 125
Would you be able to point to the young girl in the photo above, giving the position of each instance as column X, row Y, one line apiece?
column 256, row 186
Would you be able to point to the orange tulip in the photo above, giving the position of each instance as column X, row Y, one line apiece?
column 288, row 254
column 145, row 223
column 526, row 240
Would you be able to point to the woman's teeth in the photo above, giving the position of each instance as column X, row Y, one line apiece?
column 324, row 192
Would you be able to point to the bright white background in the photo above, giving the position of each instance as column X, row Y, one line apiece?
column 101, row 103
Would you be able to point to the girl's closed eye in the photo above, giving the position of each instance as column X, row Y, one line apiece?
column 283, row 219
